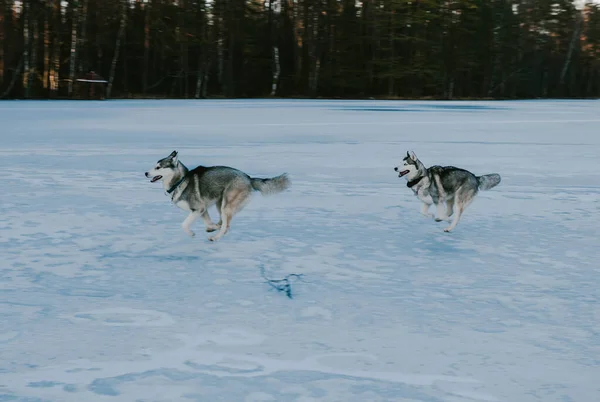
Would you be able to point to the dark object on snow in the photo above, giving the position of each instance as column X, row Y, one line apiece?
column 281, row 285
column 91, row 86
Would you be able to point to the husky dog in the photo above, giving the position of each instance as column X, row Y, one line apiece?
column 198, row 189
column 451, row 189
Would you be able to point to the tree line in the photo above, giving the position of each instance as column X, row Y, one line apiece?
column 312, row 48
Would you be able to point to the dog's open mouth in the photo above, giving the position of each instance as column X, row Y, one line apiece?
column 155, row 178
column 402, row 173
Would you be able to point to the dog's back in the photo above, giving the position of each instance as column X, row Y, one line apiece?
column 212, row 181
column 452, row 178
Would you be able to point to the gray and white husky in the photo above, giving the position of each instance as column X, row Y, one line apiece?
column 198, row 189
column 451, row 189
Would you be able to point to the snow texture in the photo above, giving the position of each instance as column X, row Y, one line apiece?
column 105, row 298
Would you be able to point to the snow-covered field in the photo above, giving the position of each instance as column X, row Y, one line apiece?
column 103, row 297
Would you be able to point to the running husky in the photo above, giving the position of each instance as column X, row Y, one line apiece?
column 198, row 189
column 439, row 185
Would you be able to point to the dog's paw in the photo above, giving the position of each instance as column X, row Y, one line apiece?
column 190, row 233
column 448, row 230
column 213, row 238
column 212, row 228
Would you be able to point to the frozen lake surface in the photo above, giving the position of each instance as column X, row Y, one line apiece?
column 104, row 297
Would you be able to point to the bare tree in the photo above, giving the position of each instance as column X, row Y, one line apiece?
column 14, row 79
column 2, row 10
column 147, row 7
column 33, row 74
column 56, row 45
column 275, row 46
column 574, row 38
column 26, row 44
column 201, row 34
column 47, row 16
column 73, row 54
column 183, row 47
column 113, row 65
column 392, row 45
column 81, row 22
column 276, row 70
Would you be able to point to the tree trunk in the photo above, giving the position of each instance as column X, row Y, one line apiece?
column 33, row 72
column 25, row 17
column 99, row 63
column 199, row 79
column 220, row 57
column 14, row 79
column 305, row 63
column 81, row 59
column 231, row 38
column 73, row 56
column 2, row 11
column 202, row 80
column 147, row 7
column 574, row 38
column 47, row 15
column 229, row 76
column 275, row 63
column 276, row 70
column 220, row 34
column 113, row 65
column 589, row 86
column 392, row 71
column 206, row 77
column 315, row 54
column 183, row 49
column 56, row 46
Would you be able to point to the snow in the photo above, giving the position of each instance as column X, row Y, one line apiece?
column 105, row 298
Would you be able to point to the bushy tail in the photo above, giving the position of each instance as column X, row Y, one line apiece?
column 273, row 185
column 488, row 181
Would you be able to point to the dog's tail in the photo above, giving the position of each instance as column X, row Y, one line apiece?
column 273, row 185
column 488, row 181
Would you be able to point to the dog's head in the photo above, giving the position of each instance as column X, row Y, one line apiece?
column 165, row 168
column 410, row 167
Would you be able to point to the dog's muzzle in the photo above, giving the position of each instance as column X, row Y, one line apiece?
column 155, row 178
column 402, row 173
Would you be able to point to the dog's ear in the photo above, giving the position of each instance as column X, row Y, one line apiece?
column 407, row 154
column 413, row 156
column 173, row 157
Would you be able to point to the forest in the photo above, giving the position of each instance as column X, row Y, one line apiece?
column 415, row 49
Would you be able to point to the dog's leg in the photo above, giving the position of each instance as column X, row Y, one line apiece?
column 457, row 214
column 461, row 203
column 425, row 210
column 441, row 212
column 441, row 201
column 233, row 201
column 218, row 205
column 210, row 226
column 225, row 221
column 191, row 218
column 449, row 207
